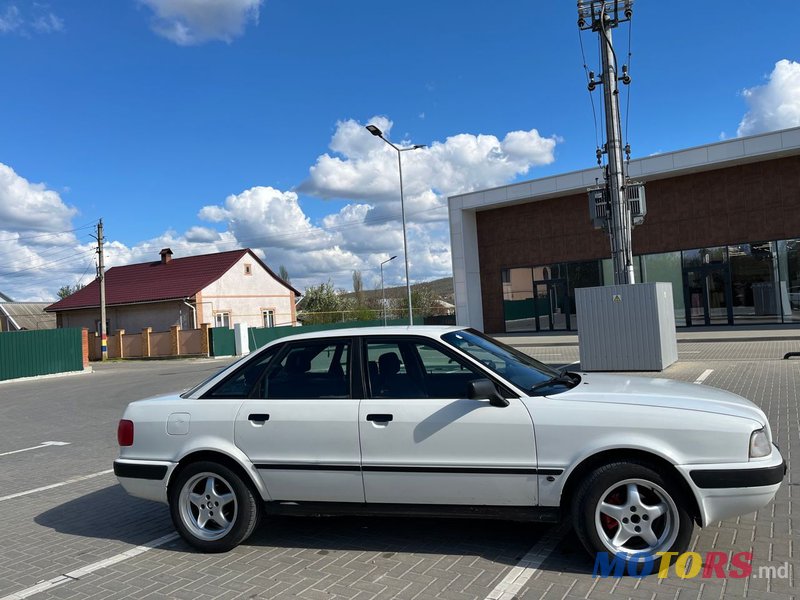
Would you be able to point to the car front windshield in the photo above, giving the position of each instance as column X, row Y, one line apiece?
column 516, row 367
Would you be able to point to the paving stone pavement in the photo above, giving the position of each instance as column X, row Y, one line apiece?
column 53, row 532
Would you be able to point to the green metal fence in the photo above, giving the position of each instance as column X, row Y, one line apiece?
column 40, row 352
column 221, row 341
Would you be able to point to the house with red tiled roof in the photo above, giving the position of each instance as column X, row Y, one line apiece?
column 220, row 289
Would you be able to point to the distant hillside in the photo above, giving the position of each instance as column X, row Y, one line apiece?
column 441, row 288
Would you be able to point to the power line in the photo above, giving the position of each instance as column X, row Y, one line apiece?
column 48, row 254
column 41, row 235
column 42, row 266
column 628, row 94
column 591, row 98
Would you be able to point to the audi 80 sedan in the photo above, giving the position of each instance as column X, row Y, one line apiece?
column 445, row 421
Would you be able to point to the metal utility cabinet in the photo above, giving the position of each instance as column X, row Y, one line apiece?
column 626, row 327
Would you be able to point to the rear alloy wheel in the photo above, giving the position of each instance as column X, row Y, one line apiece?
column 212, row 508
column 628, row 508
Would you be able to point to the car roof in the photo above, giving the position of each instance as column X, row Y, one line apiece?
column 432, row 331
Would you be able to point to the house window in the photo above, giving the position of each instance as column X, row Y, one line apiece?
column 269, row 318
column 222, row 319
column 248, row 269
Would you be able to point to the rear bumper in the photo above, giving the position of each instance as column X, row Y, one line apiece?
column 144, row 478
column 731, row 490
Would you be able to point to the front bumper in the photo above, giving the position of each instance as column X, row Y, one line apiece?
column 730, row 490
column 144, row 478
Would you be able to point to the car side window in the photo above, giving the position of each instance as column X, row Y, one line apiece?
column 416, row 369
column 310, row 370
column 246, row 382
column 445, row 375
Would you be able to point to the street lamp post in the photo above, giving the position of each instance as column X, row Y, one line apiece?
column 383, row 295
column 378, row 133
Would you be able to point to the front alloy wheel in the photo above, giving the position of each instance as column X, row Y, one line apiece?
column 636, row 515
column 628, row 508
column 212, row 508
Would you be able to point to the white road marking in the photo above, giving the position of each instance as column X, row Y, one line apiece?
column 56, row 485
column 83, row 571
column 528, row 565
column 42, row 445
column 704, row 376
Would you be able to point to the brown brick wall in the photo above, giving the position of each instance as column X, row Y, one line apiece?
column 745, row 203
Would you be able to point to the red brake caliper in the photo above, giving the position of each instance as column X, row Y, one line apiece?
column 608, row 522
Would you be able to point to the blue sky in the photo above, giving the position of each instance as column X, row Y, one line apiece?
column 207, row 125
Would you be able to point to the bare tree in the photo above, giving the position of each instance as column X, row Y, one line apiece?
column 358, row 287
column 283, row 273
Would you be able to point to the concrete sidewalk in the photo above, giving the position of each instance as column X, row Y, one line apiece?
column 741, row 333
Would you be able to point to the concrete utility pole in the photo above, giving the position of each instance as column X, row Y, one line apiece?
column 602, row 16
column 101, row 275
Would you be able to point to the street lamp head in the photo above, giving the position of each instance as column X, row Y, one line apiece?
column 393, row 258
column 418, row 146
column 374, row 130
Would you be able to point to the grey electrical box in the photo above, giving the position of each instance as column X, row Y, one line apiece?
column 599, row 204
column 626, row 327
column 634, row 192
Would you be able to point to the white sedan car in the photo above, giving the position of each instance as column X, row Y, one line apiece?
column 445, row 421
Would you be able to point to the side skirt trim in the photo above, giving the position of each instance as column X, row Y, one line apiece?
column 540, row 514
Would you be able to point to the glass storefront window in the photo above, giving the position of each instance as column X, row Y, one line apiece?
column 518, row 303
column 667, row 268
column 754, row 283
column 789, row 283
column 704, row 256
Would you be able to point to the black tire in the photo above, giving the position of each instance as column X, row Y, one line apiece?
column 212, row 508
column 637, row 506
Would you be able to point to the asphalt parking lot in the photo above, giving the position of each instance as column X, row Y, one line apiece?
column 71, row 532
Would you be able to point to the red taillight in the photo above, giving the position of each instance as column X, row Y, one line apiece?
column 125, row 432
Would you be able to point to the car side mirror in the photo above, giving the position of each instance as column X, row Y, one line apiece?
column 484, row 389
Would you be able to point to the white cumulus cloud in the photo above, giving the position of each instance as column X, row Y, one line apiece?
column 30, row 206
column 366, row 230
column 191, row 22
column 776, row 104
column 364, row 168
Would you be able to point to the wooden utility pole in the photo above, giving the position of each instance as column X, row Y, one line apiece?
column 101, row 276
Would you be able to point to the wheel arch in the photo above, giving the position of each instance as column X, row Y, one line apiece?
column 604, row 457
column 247, row 473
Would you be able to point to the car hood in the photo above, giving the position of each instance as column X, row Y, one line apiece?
column 665, row 393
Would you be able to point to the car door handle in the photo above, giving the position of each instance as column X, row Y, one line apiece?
column 380, row 417
column 258, row 417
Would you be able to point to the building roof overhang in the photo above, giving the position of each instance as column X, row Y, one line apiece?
column 719, row 155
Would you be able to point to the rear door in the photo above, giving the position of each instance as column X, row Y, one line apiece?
column 300, row 425
column 424, row 442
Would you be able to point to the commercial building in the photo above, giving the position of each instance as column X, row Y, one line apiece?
column 722, row 226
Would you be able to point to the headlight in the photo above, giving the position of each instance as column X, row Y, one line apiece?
column 759, row 444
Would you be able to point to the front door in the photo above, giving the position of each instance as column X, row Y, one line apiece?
column 424, row 442
column 551, row 305
column 707, row 294
column 300, row 426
